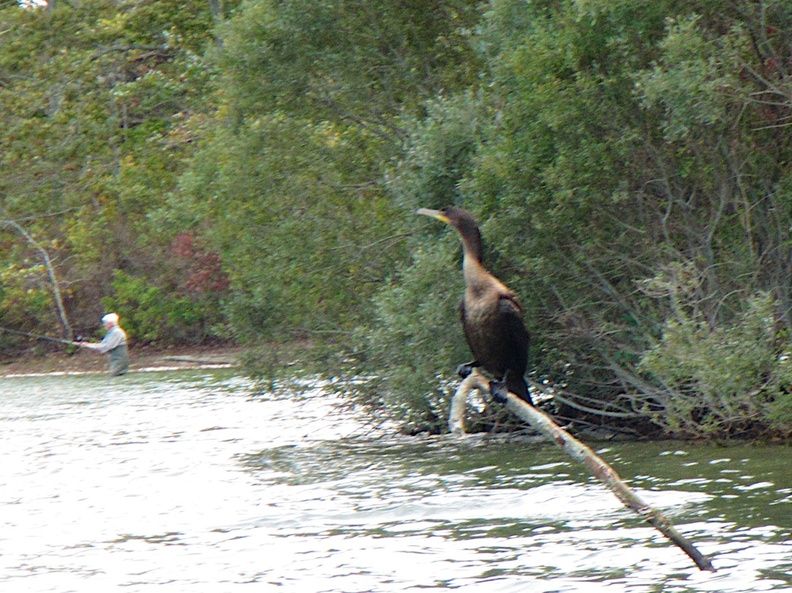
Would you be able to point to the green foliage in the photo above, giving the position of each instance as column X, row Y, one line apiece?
column 151, row 314
column 25, row 300
column 440, row 152
column 617, row 139
column 627, row 161
column 411, row 365
column 291, row 183
column 359, row 62
column 308, row 234
column 778, row 410
column 94, row 102
column 698, row 80
column 721, row 381
column 419, row 341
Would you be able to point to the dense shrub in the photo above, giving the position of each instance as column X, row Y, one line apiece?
column 732, row 379
column 151, row 314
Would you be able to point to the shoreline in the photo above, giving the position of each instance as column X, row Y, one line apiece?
column 81, row 361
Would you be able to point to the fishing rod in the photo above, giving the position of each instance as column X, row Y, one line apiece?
column 40, row 337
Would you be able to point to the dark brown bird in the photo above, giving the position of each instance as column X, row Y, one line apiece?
column 491, row 314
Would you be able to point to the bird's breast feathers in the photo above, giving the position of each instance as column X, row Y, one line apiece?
column 487, row 292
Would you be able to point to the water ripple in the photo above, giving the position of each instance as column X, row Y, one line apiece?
column 190, row 482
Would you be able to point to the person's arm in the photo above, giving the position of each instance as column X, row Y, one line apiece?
column 110, row 341
column 88, row 345
column 113, row 339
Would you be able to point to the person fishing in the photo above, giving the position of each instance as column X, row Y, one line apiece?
column 114, row 344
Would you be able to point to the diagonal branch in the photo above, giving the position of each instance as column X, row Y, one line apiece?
column 50, row 272
column 596, row 465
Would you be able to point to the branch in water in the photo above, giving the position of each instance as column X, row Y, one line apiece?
column 596, row 466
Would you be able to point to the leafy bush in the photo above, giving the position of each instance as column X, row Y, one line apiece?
column 419, row 339
column 590, row 170
column 26, row 304
column 24, row 297
column 719, row 381
column 152, row 314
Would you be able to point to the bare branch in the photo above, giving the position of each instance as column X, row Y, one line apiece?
column 596, row 466
column 50, row 271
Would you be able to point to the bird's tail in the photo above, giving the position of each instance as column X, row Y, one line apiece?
column 518, row 387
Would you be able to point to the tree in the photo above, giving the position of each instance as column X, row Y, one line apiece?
column 628, row 167
column 316, row 99
column 95, row 99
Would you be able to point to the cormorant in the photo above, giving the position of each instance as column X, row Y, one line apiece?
column 491, row 314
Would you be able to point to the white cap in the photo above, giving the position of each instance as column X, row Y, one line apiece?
column 110, row 318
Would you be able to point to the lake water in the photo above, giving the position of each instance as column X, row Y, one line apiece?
column 189, row 482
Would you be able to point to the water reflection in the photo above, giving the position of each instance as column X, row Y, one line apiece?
column 183, row 482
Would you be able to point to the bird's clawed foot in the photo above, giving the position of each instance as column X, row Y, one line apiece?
column 499, row 391
column 464, row 370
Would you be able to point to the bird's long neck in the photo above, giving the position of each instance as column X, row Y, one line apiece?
column 476, row 275
column 471, row 245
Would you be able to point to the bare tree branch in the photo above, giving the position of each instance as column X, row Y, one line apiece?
column 596, row 465
column 50, row 271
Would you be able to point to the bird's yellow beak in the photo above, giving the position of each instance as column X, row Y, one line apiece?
column 434, row 214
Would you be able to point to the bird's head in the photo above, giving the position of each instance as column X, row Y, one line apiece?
column 460, row 219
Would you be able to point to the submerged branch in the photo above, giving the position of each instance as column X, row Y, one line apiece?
column 596, row 466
